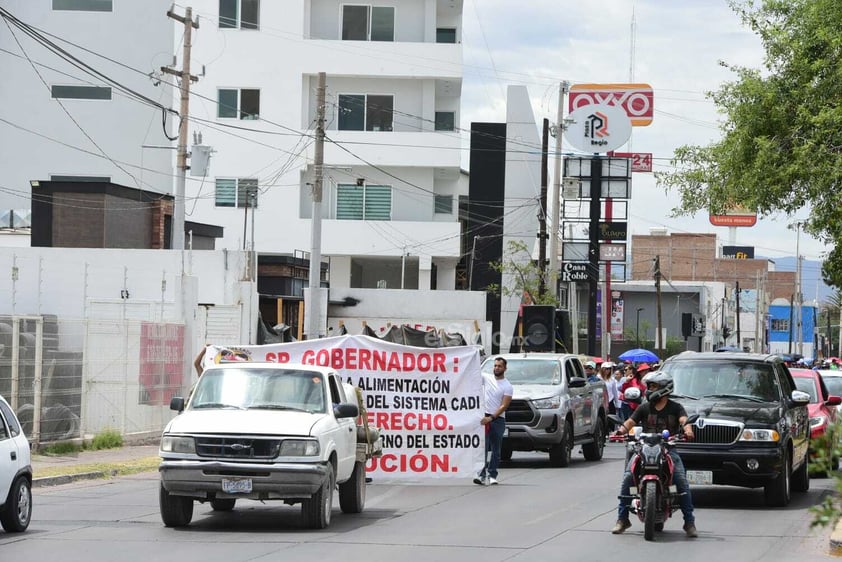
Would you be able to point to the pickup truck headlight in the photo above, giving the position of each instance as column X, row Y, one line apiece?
column 178, row 444
column 817, row 421
column 299, row 448
column 768, row 435
column 551, row 403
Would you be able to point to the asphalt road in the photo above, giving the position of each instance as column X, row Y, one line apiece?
column 536, row 513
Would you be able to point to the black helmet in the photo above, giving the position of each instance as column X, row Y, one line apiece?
column 664, row 382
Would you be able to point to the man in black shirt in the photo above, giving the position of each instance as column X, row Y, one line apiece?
column 655, row 415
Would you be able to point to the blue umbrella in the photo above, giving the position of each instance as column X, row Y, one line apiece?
column 638, row 355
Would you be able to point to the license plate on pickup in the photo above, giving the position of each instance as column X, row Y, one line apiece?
column 236, row 485
column 700, row 477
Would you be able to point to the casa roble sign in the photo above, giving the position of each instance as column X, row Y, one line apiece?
column 598, row 128
column 574, row 271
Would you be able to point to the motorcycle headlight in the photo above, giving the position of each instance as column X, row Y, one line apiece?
column 299, row 448
column 768, row 435
column 177, row 444
column 817, row 421
column 551, row 403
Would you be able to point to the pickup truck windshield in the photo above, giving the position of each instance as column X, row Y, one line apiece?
column 715, row 379
column 275, row 389
column 529, row 371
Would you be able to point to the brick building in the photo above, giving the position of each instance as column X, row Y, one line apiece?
column 694, row 257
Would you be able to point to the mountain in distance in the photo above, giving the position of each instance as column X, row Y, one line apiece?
column 812, row 286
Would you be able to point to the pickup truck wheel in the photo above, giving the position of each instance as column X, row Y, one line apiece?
column 801, row 477
column 505, row 451
column 223, row 504
column 561, row 454
column 593, row 451
column 315, row 511
column 176, row 511
column 15, row 516
column 352, row 492
column 777, row 491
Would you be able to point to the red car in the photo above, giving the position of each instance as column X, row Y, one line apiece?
column 822, row 406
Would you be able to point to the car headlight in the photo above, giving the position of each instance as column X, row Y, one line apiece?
column 817, row 421
column 177, row 444
column 760, row 435
column 299, row 448
column 550, row 403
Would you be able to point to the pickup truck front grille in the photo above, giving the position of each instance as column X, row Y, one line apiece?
column 716, row 433
column 520, row 411
column 237, row 447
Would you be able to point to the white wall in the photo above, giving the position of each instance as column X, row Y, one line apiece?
column 523, row 183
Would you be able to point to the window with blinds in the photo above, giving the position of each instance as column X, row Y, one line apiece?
column 236, row 192
column 366, row 202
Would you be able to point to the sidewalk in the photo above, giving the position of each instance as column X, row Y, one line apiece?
column 50, row 470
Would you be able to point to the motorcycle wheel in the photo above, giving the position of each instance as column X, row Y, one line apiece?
column 650, row 509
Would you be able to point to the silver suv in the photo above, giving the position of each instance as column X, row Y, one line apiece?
column 15, row 473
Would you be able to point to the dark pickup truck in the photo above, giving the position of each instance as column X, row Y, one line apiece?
column 753, row 428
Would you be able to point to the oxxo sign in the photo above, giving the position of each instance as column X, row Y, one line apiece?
column 637, row 100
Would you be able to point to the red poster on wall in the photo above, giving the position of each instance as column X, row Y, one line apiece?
column 161, row 362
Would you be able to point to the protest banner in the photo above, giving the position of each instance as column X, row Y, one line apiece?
column 427, row 402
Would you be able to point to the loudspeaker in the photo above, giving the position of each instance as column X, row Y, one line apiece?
column 563, row 331
column 686, row 324
column 539, row 328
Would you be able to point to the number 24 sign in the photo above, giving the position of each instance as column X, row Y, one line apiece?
column 640, row 161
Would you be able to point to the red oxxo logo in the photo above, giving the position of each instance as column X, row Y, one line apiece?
column 637, row 100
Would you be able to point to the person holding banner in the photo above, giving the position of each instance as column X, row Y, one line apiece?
column 498, row 396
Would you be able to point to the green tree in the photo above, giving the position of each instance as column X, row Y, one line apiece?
column 781, row 148
column 526, row 276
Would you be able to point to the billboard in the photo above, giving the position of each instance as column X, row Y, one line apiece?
column 738, row 252
column 598, row 128
column 637, row 100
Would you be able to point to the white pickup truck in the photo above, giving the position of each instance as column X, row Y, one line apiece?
column 266, row 431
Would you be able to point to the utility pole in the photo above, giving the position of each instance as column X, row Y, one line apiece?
column 658, row 336
column 542, row 213
column 739, row 340
column 314, row 328
column 563, row 88
column 183, row 114
column 799, row 298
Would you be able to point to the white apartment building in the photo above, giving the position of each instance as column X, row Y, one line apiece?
column 61, row 121
column 392, row 158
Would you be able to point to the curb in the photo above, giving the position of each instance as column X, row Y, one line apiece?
column 68, row 478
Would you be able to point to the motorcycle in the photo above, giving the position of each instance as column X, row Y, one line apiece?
column 653, row 495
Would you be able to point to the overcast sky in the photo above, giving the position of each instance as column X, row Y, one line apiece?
column 678, row 46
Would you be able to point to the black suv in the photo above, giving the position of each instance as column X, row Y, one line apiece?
column 753, row 428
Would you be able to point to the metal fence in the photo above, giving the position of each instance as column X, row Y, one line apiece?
column 70, row 378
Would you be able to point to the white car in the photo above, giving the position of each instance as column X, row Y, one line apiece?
column 15, row 472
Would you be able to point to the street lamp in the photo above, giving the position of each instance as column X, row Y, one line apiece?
column 637, row 328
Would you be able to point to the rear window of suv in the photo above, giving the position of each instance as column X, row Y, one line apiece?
column 725, row 378
column 11, row 420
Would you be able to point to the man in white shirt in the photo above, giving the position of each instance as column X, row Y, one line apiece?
column 498, row 396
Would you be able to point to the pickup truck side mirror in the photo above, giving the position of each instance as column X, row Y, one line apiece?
column 346, row 410
column 577, row 382
column 177, row 404
column 834, row 400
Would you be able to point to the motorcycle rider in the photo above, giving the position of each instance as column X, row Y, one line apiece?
column 655, row 415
